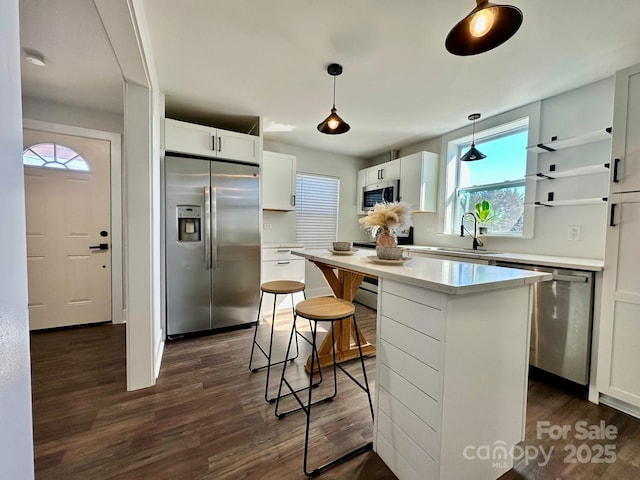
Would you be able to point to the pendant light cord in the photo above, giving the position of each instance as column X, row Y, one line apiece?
column 473, row 134
column 334, row 91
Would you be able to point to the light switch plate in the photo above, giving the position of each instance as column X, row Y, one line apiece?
column 266, row 226
column 574, row 233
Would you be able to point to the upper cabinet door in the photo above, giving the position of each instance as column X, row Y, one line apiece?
column 237, row 146
column 278, row 181
column 625, row 146
column 189, row 138
column 210, row 142
column 390, row 170
column 384, row 172
column 419, row 181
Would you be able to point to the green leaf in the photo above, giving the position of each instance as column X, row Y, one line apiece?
column 483, row 210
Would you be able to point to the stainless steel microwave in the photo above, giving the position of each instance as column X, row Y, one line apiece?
column 379, row 193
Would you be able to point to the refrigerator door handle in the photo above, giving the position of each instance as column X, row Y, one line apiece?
column 214, row 229
column 207, row 228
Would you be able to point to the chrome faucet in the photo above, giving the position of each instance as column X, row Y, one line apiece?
column 476, row 242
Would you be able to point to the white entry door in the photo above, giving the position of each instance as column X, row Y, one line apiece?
column 67, row 190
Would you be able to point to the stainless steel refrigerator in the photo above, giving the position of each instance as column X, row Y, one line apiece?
column 212, row 238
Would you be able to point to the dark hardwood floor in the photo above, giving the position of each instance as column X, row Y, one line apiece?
column 206, row 417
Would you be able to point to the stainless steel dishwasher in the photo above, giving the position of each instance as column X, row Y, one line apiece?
column 561, row 322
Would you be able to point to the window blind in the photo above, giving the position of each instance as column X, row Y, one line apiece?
column 317, row 199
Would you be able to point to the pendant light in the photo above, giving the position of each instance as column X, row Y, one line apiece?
column 333, row 124
column 484, row 28
column 473, row 153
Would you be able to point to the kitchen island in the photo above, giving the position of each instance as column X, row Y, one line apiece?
column 452, row 343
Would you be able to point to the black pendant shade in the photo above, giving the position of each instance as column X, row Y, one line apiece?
column 333, row 124
column 484, row 28
column 473, row 153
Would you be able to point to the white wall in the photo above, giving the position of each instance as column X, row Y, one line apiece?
column 323, row 163
column 54, row 112
column 572, row 113
column 16, row 440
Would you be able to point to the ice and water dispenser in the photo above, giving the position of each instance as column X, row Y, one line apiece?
column 189, row 223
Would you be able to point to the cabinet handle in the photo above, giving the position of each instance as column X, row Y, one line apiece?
column 283, row 263
column 612, row 220
column 616, row 162
column 283, row 250
column 219, row 144
column 213, row 143
column 293, row 200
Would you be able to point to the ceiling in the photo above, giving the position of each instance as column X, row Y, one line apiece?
column 246, row 58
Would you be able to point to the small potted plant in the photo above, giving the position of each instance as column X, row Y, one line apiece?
column 385, row 219
column 484, row 214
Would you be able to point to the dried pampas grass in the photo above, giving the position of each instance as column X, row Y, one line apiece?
column 387, row 216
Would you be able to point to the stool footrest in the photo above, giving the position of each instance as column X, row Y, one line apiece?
column 257, row 369
column 342, row 459
column 302, row 406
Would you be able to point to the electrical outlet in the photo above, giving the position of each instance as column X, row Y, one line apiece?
column 267, row 226
column 574, row 232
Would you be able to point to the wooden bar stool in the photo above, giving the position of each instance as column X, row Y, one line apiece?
column 323, row 309
column 277, row 287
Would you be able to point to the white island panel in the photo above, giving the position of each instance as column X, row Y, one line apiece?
column 482, row 370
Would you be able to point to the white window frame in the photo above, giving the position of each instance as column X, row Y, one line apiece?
column 309, row 238
column 490, row 127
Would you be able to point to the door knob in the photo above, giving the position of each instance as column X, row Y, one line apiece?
column 102, row 246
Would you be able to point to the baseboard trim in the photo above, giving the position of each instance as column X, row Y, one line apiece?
column 158, row 360
column 620, row 405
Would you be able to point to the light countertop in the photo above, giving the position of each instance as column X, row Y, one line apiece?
column 590, row 264
column 444, row 276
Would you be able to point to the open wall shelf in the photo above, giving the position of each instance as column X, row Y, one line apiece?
column 563, row 203
column 570, row 172
column 558, row 144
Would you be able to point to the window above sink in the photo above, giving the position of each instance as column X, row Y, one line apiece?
column 500, row 178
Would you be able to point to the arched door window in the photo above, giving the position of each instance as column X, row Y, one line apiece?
column 54, row 155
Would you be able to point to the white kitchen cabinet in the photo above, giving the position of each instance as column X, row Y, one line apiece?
column 278, row 263
column 212, row 142
column 388, row 170
column 625, row 147
column 419, row 181
column 384, row 172
column 619, row 338
column 618, row 355
column 360, row 184
column 278, row 181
